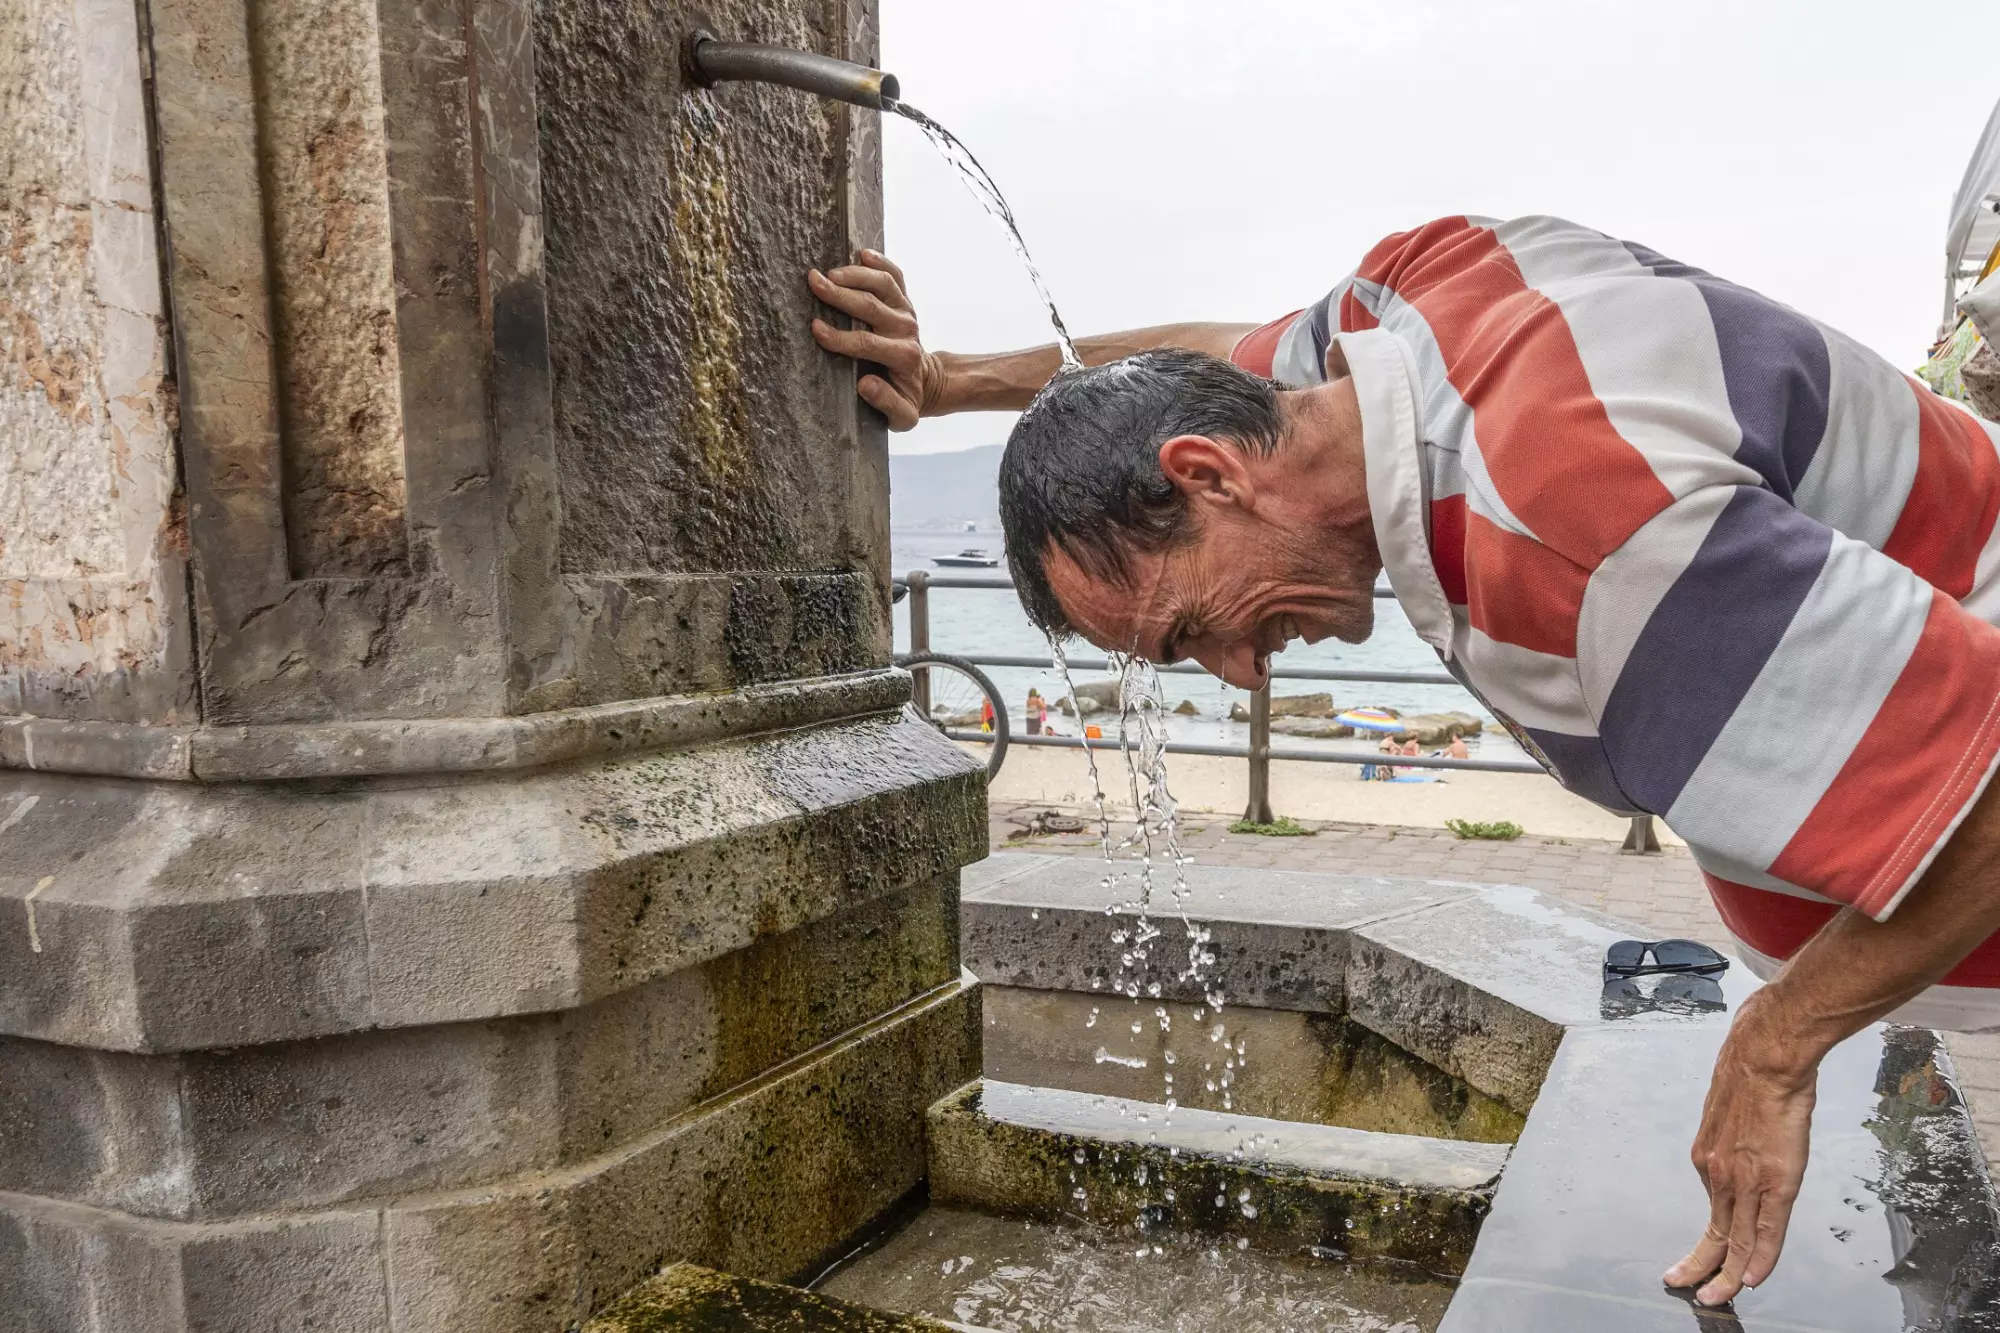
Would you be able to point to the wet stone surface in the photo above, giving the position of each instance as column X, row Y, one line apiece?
column 1896, row 1228
column 690, row 1299
column 1012, row 1276
column 1893, row 1228
column 1135, row 1167
column 1318, row 1068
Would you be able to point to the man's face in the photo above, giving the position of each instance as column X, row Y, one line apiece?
column 1244, row 588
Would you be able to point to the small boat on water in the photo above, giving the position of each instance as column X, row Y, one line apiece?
column 970, row 558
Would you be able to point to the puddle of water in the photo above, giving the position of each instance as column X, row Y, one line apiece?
column 1034, row 1277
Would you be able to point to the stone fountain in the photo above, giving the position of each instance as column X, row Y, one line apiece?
column 466, row 865
column 460, row 841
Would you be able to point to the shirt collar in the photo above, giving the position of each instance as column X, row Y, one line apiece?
column 1387, row 387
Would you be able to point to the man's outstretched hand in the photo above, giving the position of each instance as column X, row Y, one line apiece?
column 870, row 290
column 1750, row 1153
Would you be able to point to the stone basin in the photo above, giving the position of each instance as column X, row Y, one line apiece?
column 1418, row 1019
column 1439, row 1120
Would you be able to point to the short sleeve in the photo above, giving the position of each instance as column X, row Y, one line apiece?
column 1292, row 350
column 1804, row 710
column 1255, row 351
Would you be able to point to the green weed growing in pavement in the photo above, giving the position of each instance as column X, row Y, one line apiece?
column 1284, row 826
column 1501, row 830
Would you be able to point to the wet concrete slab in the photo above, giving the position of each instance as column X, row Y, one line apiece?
column 1893, row 1228
column 1006, row 1274
column 1502, row 988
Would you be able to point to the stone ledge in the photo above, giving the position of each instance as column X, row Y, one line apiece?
column 840, row 1128
column 1481, row 980
column 1041, row 922
column 1052, row 1154
column 163, row 917
column 337, row 1121
column 379, row 747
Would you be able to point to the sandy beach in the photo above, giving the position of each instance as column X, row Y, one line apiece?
column 1320, row 791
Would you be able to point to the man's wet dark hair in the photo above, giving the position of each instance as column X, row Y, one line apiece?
column 1081, row 473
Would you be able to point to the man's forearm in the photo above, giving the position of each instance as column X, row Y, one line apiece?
column 1008, row 381
column 1854, row 971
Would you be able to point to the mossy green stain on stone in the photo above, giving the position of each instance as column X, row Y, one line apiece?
column 989, row 1164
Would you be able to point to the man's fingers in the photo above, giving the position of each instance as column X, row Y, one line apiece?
column 876, row 259
column 868, row 308
column 1702, row 1260
column 898, row 355
column 879, row 394
column 1774, row 1216
column 1722, row 1288
column 873, row 281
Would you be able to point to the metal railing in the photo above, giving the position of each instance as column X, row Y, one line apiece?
column 1640, row 837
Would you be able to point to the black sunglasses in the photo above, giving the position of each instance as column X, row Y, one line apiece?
column 1627, row 958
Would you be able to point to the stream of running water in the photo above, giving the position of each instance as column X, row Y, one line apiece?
column 980, row 183
column 1142, row 741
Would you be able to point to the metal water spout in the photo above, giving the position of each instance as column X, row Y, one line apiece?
column 710, row 61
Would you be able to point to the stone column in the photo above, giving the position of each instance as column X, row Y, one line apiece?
column 461, row 844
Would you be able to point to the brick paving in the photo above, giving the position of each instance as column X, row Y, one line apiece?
column 1660, row 894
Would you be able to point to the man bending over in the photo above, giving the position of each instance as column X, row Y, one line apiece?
column 1704, row 557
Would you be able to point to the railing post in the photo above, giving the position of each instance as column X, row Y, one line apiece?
column 1258, row 811
column 919, row 583
column 1641, row 837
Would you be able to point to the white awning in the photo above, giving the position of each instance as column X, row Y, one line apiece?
column 1975, row 226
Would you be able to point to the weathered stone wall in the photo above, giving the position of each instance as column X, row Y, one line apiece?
column 92, row 618
column 540, row 875
column 698, row 425
column 325, row 155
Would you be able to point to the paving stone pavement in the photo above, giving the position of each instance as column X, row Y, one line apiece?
column 1660, row 894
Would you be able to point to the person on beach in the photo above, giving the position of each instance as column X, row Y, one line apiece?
column 1701, row 555
column 1037, row 711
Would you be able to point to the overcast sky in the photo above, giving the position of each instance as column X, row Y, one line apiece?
column 1194, row 159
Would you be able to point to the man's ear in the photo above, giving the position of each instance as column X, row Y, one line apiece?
column 1208, row 471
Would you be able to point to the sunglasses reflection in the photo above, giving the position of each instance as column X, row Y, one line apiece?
column 1681, row 993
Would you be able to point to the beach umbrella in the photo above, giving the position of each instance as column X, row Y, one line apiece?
column 1370, row 719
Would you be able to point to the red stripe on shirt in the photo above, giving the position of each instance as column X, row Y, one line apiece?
column 1448, row 546
column 1953, row 499
column 1777, row 924
column 1519, row 591
column 1257, row 349
column 1353, row 315
column 1550, row 448
column 1922, row 759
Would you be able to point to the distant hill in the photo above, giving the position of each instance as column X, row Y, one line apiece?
column 945, row 490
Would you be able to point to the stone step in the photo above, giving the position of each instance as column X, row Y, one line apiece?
column 1056, row 1154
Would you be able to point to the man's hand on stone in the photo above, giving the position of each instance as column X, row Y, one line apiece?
column 1750, row 1153
column 870, row 291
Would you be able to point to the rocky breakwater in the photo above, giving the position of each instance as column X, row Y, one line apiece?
column 1315, row 717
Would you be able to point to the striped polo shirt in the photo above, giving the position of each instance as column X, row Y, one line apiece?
column 1705, row 557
